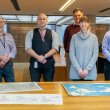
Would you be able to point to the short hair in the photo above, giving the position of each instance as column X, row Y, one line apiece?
column 84, row 18
column 76, row 10
column 1, row 18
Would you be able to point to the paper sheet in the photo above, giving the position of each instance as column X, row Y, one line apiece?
column 17, row 87
column 31, row 99
column 88, row 89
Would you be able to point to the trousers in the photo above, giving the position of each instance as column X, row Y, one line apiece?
column 7, row 72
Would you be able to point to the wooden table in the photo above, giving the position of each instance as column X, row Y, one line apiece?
column 101, row 55
column 69, row 103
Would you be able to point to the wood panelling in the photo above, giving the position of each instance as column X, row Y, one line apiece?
column 101, row 29
column 22, row 74
column 60, row 75
column 19, row 32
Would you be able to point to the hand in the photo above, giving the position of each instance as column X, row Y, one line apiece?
column 2, row 64
column 81, row 73
column 0, row 58
column 44, row 61
column 85, row 72
column 5, row 58
column 41, row 59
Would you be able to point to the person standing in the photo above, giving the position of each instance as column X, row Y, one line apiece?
column 41, row 44
column 7, row 52
column 83, row 53
column 106, row 53
column 69, row 32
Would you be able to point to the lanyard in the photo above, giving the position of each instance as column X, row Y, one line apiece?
column 3, row 42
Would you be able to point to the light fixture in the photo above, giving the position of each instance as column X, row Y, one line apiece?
column 66, row 5
column 64, row 20
column 15, row 4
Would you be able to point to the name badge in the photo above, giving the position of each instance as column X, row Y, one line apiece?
column 35, row 64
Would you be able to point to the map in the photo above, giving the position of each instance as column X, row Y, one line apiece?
column 88, row 89
column 20, row 86
column 31, row 99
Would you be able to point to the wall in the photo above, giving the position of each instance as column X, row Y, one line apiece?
column 19, row 32
column 101, row 29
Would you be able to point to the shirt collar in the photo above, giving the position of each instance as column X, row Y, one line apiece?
column 76, row 24
column 43, row 28
column 3, row 34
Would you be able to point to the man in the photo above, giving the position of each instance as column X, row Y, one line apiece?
column 41, row 44
column 106, row 52
column 69, row 32
column 7, row 51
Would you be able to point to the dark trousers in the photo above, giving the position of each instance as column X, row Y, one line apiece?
column 107, row 70
column 7, row 72
column 81, row 80
column 48, row 73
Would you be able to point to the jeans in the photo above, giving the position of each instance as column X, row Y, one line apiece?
column 7, row 72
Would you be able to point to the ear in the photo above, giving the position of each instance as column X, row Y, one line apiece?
column 47, row 21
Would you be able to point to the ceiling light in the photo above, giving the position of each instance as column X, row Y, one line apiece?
column 66, row 5
column 9, row 17
column 64, row 20
column 25, row 18
column 54, row 18
column 15, row 4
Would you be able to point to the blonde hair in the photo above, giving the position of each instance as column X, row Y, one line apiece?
column 76, row 10
column 85, row 18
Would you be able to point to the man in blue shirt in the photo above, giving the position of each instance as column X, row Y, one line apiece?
column 7, row 52
column 106, row 52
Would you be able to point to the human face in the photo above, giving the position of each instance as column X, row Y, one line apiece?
column 1, row 25
column 42, row 20
column 76, row 16
column 84, row 25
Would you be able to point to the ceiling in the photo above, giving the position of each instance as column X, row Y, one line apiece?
column 51, row 7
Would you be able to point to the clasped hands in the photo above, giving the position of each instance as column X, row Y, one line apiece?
column 3, row 60
column 41, row 59
column 83, row 73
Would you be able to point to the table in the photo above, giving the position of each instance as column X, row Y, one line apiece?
column 69, row 103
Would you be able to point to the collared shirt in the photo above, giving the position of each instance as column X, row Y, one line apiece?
column 69, row 32
column 29, row 37
column 7, row 45
column 106, row 45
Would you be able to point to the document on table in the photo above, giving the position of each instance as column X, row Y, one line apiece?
column 17, row 87
column 88, row 89
column 31, row 99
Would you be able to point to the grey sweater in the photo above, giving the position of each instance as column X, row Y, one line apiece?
column 83, row 55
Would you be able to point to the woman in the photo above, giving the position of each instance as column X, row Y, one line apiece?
column 83, row 53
